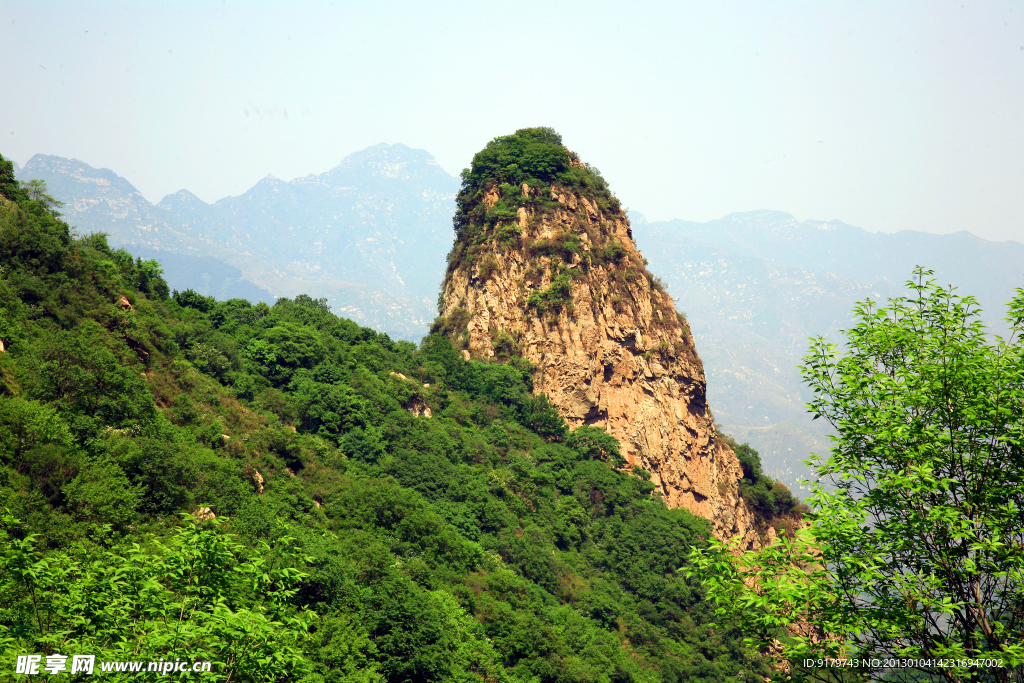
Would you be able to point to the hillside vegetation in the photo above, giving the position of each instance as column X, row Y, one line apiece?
column 519, row 170
column 294, row 497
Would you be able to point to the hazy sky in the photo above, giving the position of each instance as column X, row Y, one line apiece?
column 887, row 115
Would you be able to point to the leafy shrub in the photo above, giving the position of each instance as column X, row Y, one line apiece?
column 500, row 214
column 488, row 267
column 613, row 253
column 202, row 591
column 192, row 299
column 505, row 347
column 453, row 325
column 564, row 246
column 507, row 234
column 534, row 157
column 597, row 444
column 768, row 499
column 554, row 296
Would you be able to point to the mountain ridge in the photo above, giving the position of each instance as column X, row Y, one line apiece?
column 859, row 253
column 279, row 233
column 754, row 293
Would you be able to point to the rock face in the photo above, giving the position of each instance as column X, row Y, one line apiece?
column 562, row 284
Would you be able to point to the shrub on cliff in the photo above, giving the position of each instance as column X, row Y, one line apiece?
column 528, row 154
column 535, row 157
column 769, row 500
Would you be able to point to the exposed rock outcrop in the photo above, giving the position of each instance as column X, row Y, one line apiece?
column 415, row 405
column 550, row 271
column 205, row 514
column 418, row 407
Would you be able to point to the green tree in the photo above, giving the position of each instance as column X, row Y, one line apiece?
column 202, row 595
column 150, row 278
column 25, row 424
column 37, row 191
column 101, row 494
column 918, row 552
column 597, row 444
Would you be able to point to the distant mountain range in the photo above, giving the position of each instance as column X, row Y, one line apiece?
column 371, row 235
column 755, row 286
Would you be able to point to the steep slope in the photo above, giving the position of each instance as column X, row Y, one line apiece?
column 545, row 266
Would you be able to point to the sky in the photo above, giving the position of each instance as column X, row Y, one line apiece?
column 886, row 115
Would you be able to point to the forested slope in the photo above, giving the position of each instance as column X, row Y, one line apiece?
column 292, row 496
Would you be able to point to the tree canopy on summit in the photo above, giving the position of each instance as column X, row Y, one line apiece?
column 528, row 154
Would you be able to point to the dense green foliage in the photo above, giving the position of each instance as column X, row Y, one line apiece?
column 770, row 501
column 522, row 171
column 534, row 157
column 918, row 552
column 203, row 595
column 354, row 541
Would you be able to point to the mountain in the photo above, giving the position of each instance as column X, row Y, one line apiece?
column 369, row 235
column 310, row 499
column 990, row 271
column 205, row 275
column 756, row 285
column 545, row 267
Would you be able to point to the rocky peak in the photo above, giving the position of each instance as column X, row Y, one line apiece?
column 388, row 169
column 544, row 266
column 184, row 201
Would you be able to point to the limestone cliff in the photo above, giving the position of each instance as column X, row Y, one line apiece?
column 547, row 268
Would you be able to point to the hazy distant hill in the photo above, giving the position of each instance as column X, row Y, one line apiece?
column 369, row 235
column 756, row 285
